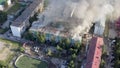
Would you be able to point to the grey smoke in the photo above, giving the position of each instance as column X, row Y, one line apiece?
column 77, row 16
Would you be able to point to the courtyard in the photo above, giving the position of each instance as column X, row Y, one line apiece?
column 28, row 62
column 7, row 51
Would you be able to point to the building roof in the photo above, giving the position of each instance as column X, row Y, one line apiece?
column 24, row 17
column 94, row 53
column 60, row 31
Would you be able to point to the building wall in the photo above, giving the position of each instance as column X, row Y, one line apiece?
column 99, row 30
column 57, row 38
column 16, row 31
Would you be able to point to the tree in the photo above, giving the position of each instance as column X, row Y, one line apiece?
column 53, row 41
column 41, row 37
column 59, row 48
column 49, row 52
column 117, row 64
column 74, row 56
column 3, row 17
column 77, row 45
column 34, row 18
column 29, row 36
column 71, row 64
column 67, row 41
column 21, row 49
column 102, row 64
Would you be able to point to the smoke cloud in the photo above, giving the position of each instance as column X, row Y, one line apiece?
column 77, row 16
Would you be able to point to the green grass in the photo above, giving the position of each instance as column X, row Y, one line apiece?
column 15, row 46
column 26, row 62
column 13, row 43
column 14, row 8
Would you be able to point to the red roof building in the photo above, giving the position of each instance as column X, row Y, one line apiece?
column 94, row 53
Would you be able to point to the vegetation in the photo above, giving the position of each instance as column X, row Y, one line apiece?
column 14, row 8
column 14, row 46
column 34, row 18
column 3, row 17
column 71, row 64
column 28, row 35
column 103, row 57
column 41, row 37
column 49, row 52
column 65, row 49
column 27, row 62
column 117, row 54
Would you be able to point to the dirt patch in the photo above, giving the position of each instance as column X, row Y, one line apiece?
column 5, row 50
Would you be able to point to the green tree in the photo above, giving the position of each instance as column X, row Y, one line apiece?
column 41, row 37
column 102, row 64
column 49, row 53
column 71, row 64
column 3, row 17
column 59, row 48
column 77, row 45
column 29, row 36
column 34, row 18
column 74, row 56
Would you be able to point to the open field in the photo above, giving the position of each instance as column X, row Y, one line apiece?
column 27, row 62
column 7, row 50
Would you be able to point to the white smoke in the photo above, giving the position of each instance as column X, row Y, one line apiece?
column 79, row 15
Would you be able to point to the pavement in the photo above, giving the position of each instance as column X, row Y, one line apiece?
column 109, row 52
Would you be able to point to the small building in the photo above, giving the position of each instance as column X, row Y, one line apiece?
column 19, row 26
column 94, row 53
column 3, row 2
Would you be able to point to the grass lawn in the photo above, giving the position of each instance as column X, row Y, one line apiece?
column 14, row 8
column 26, row 62
column 7, row 51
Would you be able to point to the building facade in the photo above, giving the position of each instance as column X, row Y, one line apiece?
column 19, row 26
column 100, row 26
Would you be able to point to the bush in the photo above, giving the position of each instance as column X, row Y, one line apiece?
column 3, row 17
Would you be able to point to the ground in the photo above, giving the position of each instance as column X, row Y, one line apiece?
column 27, row 62
column 7, row 50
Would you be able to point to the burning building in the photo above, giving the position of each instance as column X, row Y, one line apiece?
column 73, row 18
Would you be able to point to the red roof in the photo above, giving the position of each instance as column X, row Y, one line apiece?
column 94, row 53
